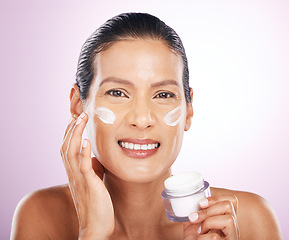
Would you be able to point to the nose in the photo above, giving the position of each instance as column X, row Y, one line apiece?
column 140, row 115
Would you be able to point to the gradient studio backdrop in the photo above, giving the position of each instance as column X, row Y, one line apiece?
column 238, row 58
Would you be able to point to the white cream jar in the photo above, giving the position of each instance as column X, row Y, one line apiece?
column 182, row 194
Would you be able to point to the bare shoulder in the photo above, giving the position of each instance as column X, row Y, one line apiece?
column 50, row 211
column 256, row 217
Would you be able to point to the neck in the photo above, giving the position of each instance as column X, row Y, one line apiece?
column 138, row 207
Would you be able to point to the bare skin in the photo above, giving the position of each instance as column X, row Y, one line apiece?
column 52, row 212
column 117, row 196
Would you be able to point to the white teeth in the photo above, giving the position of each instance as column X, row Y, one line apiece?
column 130, row 146
column 138, row 146
column 144, row 147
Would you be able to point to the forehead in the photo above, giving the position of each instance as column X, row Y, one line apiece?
column 139, row 60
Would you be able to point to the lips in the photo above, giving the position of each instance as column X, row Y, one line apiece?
column 139, row 148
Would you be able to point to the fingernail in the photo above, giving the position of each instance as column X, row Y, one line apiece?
column 204, row 202
column 193, row 217
column 79, row 119
column 199, row 230
column 84, row 144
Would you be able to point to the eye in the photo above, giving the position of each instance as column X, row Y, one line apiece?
column 165, row 95
column 115, row 93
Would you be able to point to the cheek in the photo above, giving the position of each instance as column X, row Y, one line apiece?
column 174, row 117
column 105, row 115
column 100, row 124
column 175, row 137
column 104, row 144
column 173, row 140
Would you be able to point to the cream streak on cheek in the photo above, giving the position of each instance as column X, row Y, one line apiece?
column 105, row 115
column 173, row 117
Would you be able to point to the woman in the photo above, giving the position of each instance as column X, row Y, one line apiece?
column 132, row 74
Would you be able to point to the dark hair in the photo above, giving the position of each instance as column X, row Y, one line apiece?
column 123, row 26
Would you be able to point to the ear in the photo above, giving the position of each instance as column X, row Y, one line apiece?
column 190, row 112
column 75, row 102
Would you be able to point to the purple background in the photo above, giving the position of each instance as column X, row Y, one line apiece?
column 238, row 56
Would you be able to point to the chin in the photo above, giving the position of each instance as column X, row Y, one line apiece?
column 140, row 174
column 138, row 160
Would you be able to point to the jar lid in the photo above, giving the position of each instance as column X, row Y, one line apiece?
column 184, row 183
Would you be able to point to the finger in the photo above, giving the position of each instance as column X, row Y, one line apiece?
column 73, row 149
column 67, row 168
column 63, row 150
column 86, row 165
column 94, row 184
column 66, row 137
column 208, row 236
column 190, row 231
column 70, row 124
column 71, row 181
column 70, row 162
column 207, row 202
column 226, row 223
column 220, row 208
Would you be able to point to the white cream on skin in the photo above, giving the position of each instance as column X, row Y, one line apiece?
column 90, row 128
column 173, row 117
column 89, row 108
column 105, row 115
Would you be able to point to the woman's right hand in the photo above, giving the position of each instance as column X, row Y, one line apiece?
column 91, row 199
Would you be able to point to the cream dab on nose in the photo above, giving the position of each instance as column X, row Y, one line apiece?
column 105, row 115
column 173, row 117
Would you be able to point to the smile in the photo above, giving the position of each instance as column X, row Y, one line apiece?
column 139, row 148
column 133, row 146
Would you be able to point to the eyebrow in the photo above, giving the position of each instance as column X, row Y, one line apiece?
column 126, row 82
column 165, row 82
column 116, row 80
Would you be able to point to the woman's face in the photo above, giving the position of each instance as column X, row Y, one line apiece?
column 137, row 109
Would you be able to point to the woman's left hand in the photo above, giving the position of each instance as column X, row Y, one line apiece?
column 216, row 220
